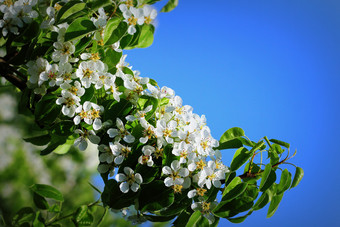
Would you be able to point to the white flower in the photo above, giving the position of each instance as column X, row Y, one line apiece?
column 149, row 14
column 121, row 132
column 50, row 75
column 176, row 174
column 166, row 130
column 146, row 158
column 211, row 175
column 132, row 17
column 184, row 151
column 84, row 135
column 75, row 89
column 119, row 151
column 70, row 102
column 90, row 113
column 130, row 179
column 88, row 71
column 62, row 52
column 205, row 208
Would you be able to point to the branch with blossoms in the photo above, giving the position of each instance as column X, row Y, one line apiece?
column 155, row 153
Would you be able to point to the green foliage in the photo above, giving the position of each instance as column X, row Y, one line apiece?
column 170, row 6
column 115, row 91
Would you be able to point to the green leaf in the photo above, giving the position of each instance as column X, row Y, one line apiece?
column 112, row 58
column 146, row 37
column 40, row 202
column 153, row 218
column 155, row 196
column 116, row 109
column 68, row 10
column 38, row 221
column 88, row 95
column 270, row 180
column 231, row 133
column 79, row 28
column 240, row 219
column 169, row 6
column 226, row 209
column 64, row 148
column 81, row 45
column 114, row 198
column 94, row 5
column 258, row 146
column 235, row 181
column 230, row 139
column 39, row 140
column 32, row 30
column 24, row 215
column 265, row 175
column 235, row 191
column 197, row 220
column 297, row 177
column 47, row 191
column 50, row 148
column 285, row 181
column 80, row 213
column 87, row 219
column 274, row 204
column 279, row 142
column 262, row 201
column 240, row 157
column 148, row 173
column 183, row 218
column 46, row 111
column 114, row 31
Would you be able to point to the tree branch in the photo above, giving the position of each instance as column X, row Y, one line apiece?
column 10, row 74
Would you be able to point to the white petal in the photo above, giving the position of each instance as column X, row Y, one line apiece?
column 129, row 138
column 138, row 178
column 192, row 193
column 128, row 171
column 134, row 187
column 124, row 187
column 166, row 170
column 103, row 168
column 120, row 177
column 112, row 132
column 119, row 159
column 184, row 172
column 97, row 124
column 94, row 139
column 83, row 145
column 168, row 182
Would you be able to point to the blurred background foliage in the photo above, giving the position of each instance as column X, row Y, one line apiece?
column 21, row 166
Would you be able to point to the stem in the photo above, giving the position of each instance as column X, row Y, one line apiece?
column 102, row 217
column 268, row 142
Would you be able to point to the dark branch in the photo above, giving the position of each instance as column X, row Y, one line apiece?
column 10, row 74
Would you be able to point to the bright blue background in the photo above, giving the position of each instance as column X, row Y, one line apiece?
column 271, row 68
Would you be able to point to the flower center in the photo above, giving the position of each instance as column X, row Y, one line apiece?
column 73, row 90
column 95, row 57
column 147, row 20
column 177, row 188
column 52, row 75
column 200, row 164
column 132, row 20
column 167, row 132
column 95, row 114
column 87, row 73
column 205, row 207
column 200, row 191
column 70, row 102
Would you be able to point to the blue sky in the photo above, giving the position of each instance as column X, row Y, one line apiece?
column 269, row 67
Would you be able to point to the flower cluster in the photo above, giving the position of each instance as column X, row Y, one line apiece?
column 87, row 84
